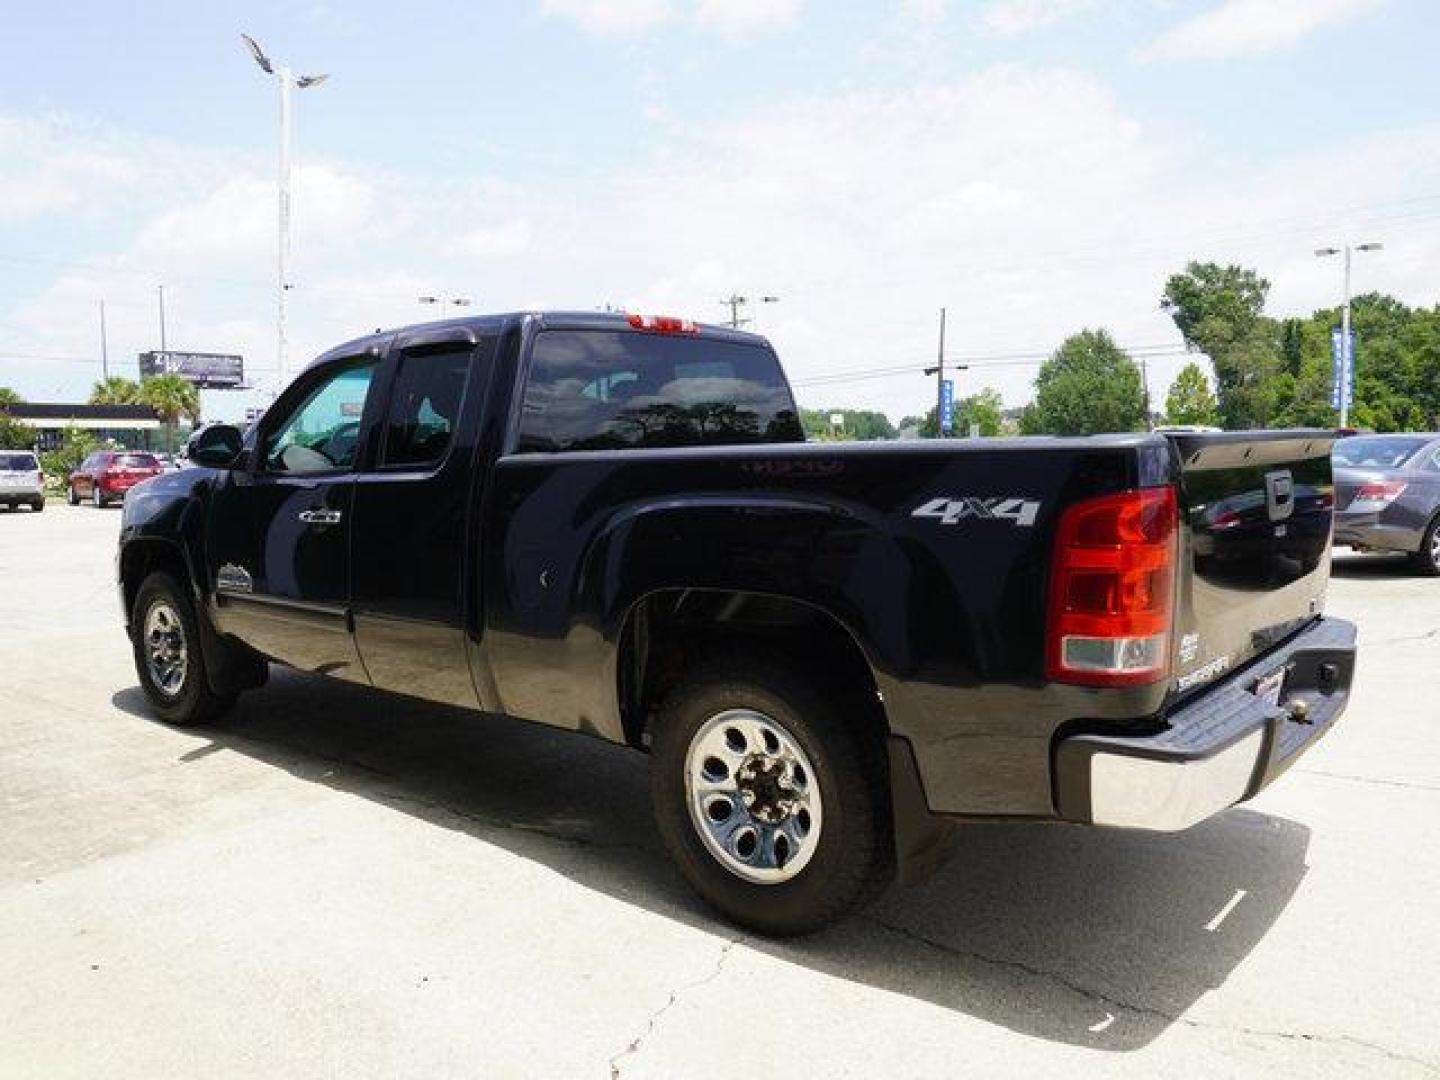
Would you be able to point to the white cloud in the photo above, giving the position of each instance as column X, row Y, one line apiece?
column 495, row 241
column 1250, row 28
column 1029, row 201
column 1017, row 16
column 734, row 18
column 44, row 168
column 612, row 16
column 729, row 18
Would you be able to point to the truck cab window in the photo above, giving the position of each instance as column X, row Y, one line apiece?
column 323, row 433
column 425, row 405
column 603, row 389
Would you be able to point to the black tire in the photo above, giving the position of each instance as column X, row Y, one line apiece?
column 191, row 701
column 853, row 857
column 1426, row 561
column 97, row 497
column 71, row 496
column 38, row 505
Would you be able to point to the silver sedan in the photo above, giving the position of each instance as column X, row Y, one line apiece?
column 1387, row 496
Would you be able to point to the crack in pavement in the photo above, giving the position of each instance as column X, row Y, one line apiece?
column 633, row 1045
column 1376, row 780
column 1426, row 636
column 1147, row 1010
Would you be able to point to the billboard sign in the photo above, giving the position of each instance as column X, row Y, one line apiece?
column 208, row 371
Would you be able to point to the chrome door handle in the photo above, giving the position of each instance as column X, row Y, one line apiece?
column 320, row 517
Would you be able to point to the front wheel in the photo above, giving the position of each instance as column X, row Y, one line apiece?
column 771, row 797
column 1427, row 560
column 168, row 658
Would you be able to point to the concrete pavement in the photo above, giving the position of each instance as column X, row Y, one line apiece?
column 340, row 883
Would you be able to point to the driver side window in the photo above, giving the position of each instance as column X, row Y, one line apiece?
column 323, row 434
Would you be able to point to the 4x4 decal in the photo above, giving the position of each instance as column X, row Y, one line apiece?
column 1021, row 512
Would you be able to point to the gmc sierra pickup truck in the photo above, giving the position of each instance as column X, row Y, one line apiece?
column 830, row 653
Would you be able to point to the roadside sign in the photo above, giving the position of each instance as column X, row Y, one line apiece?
column 208, row 371
column 947, row 406
column 1342, row 369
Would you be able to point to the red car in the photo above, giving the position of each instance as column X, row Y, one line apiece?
column 108, row 474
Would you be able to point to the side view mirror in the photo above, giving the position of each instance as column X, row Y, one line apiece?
column 215, row 447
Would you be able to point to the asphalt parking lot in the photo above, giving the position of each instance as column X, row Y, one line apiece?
column 338, row 883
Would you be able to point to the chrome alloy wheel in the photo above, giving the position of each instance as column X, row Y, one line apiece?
column 753, row 795
column 1435, row 549
column 166, row 654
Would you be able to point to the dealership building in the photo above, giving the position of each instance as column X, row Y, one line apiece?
column 128, row 426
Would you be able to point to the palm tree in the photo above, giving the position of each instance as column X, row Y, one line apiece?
column 116, row 390
column 170, row 396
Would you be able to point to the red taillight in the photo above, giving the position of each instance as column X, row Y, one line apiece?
column 1112, row 590
column 661, row 324
column 1376, row 495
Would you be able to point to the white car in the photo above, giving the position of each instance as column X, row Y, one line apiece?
column 21, row 481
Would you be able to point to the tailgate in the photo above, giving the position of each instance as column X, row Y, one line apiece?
column 1255, row 509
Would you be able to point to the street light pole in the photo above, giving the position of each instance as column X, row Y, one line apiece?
column 284, row 79
column 940, row 381
column 1345, row 344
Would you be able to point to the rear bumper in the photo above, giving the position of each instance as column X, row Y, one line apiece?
column 16, row 492
column 1370, row 531
column 1219, row 749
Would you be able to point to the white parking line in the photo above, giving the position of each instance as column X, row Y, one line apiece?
column 1214, row 924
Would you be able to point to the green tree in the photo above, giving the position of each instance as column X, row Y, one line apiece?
column 74, row 447
column 1220, row 311
column 985, row 410
column 1088, row 386
column 860, row 424
column 171, row 397
column 13, row 434
column 116, row 390
column 1190, row 400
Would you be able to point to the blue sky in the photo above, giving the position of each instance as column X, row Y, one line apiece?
column 1034, row 165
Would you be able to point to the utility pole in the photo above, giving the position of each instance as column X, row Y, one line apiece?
column 940, row 379
column 1347, row 350
column 104, row 346
column 1145, row 390
column 735, row 302
column 161, row 289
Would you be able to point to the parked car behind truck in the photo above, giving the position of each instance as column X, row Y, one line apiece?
column 1387, row 496
column 831, row 653
column 22, row 483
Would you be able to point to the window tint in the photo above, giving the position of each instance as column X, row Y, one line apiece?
column 323, row 434
column 18, row 463
column 425, row 405
column 602, row 389
column 136, row 461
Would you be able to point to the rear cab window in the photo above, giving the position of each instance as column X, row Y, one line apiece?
column 18, row 463
column 1381, row 453
column 136, row 461
column 613, row 389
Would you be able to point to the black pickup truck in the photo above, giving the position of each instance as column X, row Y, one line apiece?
column 831, row 653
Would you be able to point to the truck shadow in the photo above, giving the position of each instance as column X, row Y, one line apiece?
column 1083, row 936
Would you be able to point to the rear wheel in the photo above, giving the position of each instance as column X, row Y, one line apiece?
column 1427, row 560
column 97, row 497
column 771, row 797
column 38, row 504
column 168, row 658
column 71, row 495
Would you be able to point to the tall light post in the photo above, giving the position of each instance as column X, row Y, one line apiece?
column 284, row 79
column 1325, row 253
